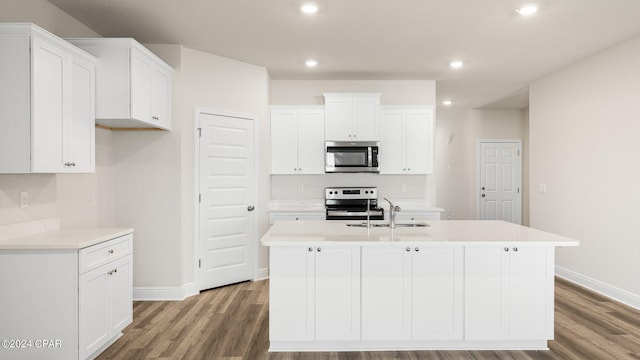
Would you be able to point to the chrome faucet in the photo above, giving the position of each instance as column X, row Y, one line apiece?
column 392, row 213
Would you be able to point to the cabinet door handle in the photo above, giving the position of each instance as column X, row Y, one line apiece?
column 515, row 249
column 417, row 249
column 155, row 118
column 408, row 249
column 319, row 249
column 310, row 249
column 251, row 208
column 110, row 251
column 506, row 249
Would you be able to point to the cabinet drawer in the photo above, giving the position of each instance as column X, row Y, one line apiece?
column 100, row 254
column 273, row 217
column 422, row 216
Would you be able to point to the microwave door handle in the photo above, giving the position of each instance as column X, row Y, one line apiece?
column 370, row 156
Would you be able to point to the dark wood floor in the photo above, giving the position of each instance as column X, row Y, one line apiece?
column 232, row 323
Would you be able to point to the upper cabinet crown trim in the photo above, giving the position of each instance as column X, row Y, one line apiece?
column 131, row 42
column 33, row 29
column 351, row 94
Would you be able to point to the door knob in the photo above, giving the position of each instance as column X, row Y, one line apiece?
column 250, row 208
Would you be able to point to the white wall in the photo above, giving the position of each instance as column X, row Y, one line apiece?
column 155, row 182
column 394, row 92
column 456, row 162
column 585, row 131
column 62, row 195
column 214, row 82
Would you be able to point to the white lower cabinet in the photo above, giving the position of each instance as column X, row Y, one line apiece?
column 509, row 293
column 105, row 304
column 410, row 296
column 412, row 293
column 79, row 299
column 314, row 293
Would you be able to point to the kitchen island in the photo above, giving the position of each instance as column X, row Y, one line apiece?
column 451, row 285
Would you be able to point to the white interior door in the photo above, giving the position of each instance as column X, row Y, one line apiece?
column 500, row 181
column 227, row 198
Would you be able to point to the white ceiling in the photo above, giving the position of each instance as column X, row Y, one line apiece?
column 382, row 39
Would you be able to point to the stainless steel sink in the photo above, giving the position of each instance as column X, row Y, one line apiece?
column 365, row 225
column 387, row 225
column 412, row 225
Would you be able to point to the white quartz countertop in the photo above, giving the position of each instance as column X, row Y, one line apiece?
column 440, row 232
column 62, row 239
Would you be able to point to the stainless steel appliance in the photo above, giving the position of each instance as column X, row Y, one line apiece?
column 344, row 156
column 351, row 203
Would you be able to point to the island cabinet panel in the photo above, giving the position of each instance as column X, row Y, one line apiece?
column 508, row 293
column 412, row 293
column 314, row 293
column 386, row 293
column 338, row 293
column 291, row 293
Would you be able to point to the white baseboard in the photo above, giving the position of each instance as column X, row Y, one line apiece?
column 598, row 286
column 177, row 293
column 262, row 274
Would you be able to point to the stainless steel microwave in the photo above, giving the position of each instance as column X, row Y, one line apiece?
column 347, row 156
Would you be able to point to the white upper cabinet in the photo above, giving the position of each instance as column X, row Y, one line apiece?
column 406, row 143
column 133, row 85
column 297, row 140
column 351, row 117
column 46, row 103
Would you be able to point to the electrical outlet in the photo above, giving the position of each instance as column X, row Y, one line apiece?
column 24, row 199
column 542, row 188
column 91, row 195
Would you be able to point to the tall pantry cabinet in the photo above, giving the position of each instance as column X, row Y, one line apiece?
column 46, row 103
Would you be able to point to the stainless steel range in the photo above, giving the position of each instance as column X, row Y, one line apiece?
column 351, row 203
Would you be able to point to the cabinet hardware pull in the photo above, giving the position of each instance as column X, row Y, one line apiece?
column 115, row 270
column 408, row 248
column 515, row 249
column 417, row 249
column 155, row 118
column 506, row 249
column 110, row 251
column 310, row 249
column 319, row 249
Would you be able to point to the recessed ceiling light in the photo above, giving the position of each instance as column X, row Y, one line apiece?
column 527, row 10
column 447, row 102
column 311, row 63
column 456, row 64
column 309, row 8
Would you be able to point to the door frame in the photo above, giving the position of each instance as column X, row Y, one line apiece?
column 253, row 246
column 479, row 142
